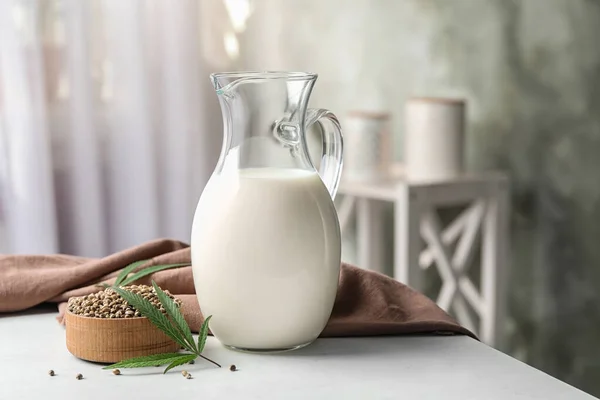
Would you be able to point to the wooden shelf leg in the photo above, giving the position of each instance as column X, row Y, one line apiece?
column 494, row 266
column 369, row 238
column 407, row 240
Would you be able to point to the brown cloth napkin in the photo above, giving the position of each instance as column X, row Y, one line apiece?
column 367, row 303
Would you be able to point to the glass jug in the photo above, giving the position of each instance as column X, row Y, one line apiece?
column 266, row 238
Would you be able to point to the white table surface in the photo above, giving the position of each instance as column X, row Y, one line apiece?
column 421, row 367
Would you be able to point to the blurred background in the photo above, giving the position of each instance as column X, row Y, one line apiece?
column 109, row 126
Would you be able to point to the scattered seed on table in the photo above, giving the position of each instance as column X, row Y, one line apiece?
column 188, row 376
column 79, row 377
column 51, row 372
column 116, row 372
column 232, row 367
column 184, row 373
column 192, row 362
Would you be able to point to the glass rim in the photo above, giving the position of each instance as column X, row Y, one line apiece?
column 289, row 75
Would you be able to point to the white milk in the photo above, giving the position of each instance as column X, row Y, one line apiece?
column 266, row 257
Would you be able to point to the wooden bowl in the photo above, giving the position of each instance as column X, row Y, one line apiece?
column 113, row 340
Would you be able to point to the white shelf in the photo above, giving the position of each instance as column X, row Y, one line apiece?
column 387, row 189
column 482, row 223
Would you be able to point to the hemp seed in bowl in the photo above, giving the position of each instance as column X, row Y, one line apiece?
column 108, row 303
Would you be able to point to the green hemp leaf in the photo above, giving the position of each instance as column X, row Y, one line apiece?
column 123, row 279
column 173, row 325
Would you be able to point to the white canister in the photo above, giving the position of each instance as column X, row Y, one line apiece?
column 434, row 138
column 367, row 146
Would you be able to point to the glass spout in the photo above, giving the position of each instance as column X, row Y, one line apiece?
column 224, row 82
column 265, row 119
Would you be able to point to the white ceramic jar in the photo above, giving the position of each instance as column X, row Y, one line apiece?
column 434, row 138
column 367, row 146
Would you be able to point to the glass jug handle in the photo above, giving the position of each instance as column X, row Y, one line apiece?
column 333, row 143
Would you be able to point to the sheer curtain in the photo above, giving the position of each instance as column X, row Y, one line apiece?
column 108, row 124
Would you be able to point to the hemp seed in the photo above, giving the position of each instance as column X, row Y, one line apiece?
column 108, row 303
